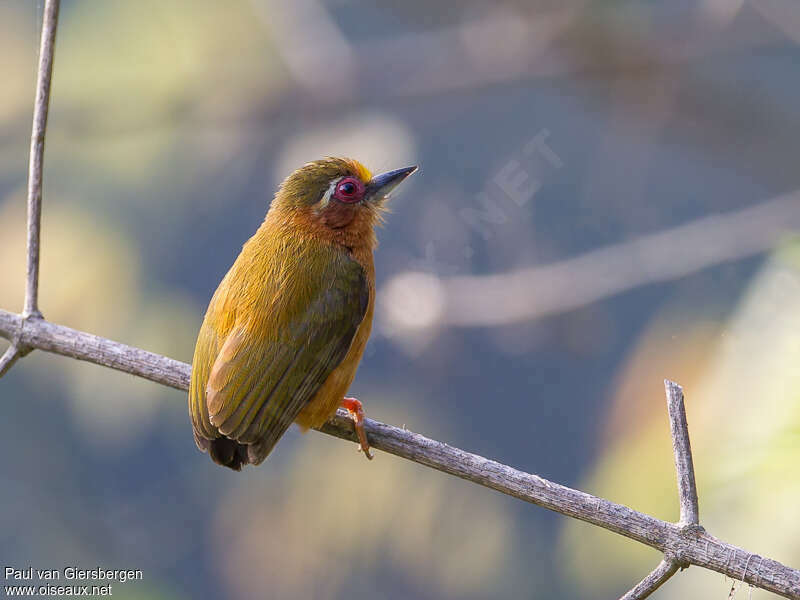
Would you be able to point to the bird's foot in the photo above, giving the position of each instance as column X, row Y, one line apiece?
column 356, row 410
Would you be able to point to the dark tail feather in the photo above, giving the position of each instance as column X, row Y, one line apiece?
column 228, row 453
column 232, row 454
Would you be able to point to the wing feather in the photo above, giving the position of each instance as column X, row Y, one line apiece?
column 258, row 379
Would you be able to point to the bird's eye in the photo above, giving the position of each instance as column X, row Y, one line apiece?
column 349, row 190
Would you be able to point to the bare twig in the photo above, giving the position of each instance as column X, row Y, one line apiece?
column 665, row 569
column 41, row 106
column 43, row 335
column 8, row 359
column 687, row 491
column 35, row 165
column 690, row 545
column 687, row 488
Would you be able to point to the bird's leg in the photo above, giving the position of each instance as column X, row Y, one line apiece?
column 356, row 411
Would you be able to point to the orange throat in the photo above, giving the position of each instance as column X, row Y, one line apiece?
column 351, row 227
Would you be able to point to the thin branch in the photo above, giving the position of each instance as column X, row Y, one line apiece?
column 41, row 106
column 665, row 569
column 690, row 545
column 8, row 359
column 687, row 488
column 43, row 335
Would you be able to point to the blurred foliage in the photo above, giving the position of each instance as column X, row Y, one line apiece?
column 163, row 59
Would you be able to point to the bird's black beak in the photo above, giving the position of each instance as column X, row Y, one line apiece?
column 380, row 186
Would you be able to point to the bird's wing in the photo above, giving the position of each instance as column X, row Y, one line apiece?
column 211, row 335
column 263, row 376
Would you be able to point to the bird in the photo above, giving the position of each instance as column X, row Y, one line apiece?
column 285, row 330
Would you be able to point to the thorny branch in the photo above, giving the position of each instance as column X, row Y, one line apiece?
column 35, row 169
column 684, row 465
column 683, row 543
column 41, row 107
column 665, row 569
column 687, row 491
column 689, row 544
column 8, row 359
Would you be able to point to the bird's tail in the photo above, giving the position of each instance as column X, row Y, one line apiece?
column 232, row 454
column 228, row 453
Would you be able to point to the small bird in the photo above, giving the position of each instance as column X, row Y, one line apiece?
column 287, row 326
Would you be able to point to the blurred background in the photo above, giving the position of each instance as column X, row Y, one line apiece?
column 606, row 198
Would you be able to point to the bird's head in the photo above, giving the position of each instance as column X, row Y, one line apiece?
column 337, row 198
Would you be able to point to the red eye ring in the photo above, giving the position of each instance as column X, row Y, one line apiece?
column 349, row 190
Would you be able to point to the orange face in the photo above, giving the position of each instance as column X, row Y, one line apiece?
column 342, row 201
column 338, row 199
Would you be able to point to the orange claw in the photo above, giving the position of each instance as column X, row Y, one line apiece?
column 356, row 410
